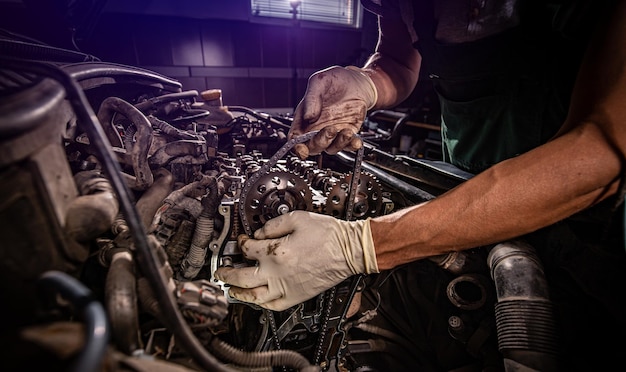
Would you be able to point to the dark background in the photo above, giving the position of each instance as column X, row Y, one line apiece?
column 204, row 44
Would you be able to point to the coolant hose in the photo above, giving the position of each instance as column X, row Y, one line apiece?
column 524, row 315
column 176, row 149
column 121, row 302
column 171, row 130
column 143, row 137
column 96, row 326
column 152, row 199
column 92, row 213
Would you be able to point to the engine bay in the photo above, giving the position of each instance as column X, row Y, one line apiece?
column 122, row 195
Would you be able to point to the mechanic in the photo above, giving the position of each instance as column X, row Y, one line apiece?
column 533, row 102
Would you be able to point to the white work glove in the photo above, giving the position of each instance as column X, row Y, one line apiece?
column 300, row 254
column 335, row 103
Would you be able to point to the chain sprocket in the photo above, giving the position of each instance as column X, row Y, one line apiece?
column 368, row 198
column 265, row 169
column 273, row 194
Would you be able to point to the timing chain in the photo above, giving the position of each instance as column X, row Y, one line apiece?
column 327, row 312
column 265, row 169
column 354, row 184
column 319, row 352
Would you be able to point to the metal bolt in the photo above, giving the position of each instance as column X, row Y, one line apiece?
column 282, row 209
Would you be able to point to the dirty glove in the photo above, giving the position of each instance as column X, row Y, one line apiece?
column 300, row 254
column 335, row 103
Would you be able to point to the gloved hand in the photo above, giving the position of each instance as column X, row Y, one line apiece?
column 300, row 254
column 335, row 103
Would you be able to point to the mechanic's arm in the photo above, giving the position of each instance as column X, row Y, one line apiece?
column 337, row 98
column 395, row 65
column 301, row 254
column 581, row 166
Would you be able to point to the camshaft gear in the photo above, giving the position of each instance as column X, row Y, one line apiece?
column 368, row 199
column 274, row 194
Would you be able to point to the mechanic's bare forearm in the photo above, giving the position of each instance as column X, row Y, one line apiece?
column 515, row 197
column 394, row 81
column 580, row 167
column 395, row 65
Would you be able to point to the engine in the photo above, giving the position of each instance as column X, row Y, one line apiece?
column 122, row 193
column 189, row 176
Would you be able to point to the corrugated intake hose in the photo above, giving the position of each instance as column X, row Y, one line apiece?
column 272, row 358
column 524, row 315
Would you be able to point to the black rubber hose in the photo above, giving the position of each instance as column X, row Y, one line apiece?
column 401, row 119
column 147, row 258
column 94, row 316
column 153, row 103
column 138, row 153
column 22, row 112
